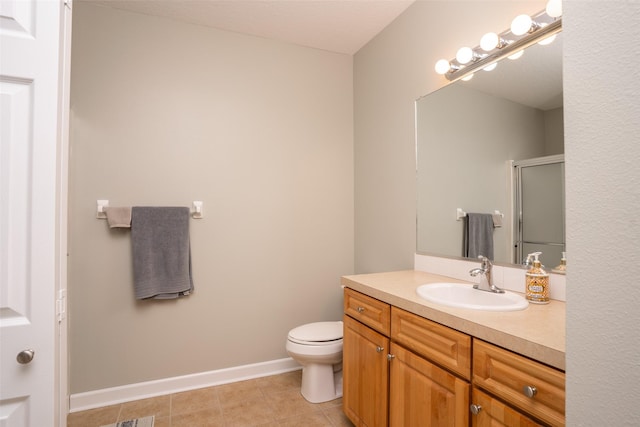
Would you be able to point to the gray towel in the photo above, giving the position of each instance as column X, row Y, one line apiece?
column 161, row 252
column 478, row 235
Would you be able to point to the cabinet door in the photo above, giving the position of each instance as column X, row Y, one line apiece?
column 422, row 394
column 493, row 413
column 365, row 374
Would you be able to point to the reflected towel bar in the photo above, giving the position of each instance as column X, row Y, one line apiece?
column 461, row 214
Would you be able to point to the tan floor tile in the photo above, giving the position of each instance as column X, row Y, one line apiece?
column 94, row 417
column 156, row 406
column 289, row 403
column 204, row 418
column 337, row 417
column 162, row 422
column 317, row 419
column 246, row 413
column 281, row 382
column 230, row 394
column 263, row 402
column 195, row 400
column 331, row 404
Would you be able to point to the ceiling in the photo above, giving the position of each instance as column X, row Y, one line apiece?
column 342, row 26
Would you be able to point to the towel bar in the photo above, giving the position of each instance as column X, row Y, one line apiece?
column 461, row 214
column 196, row 209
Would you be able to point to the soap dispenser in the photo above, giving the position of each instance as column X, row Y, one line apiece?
column 562, row 268
column 536, row 281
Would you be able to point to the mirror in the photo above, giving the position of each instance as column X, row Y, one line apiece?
column 469, row 138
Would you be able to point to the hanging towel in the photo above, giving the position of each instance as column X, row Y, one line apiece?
column 118, row 217
column 161, row 252
column 478, row 235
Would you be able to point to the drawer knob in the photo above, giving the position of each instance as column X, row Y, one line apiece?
column 390, row 357
column 529, row 390
column 379, row 349
column 360, row 309
column 475, row 409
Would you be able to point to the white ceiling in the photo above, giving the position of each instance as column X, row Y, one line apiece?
column 342, row 26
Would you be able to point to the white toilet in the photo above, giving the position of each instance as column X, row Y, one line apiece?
column 318, row 348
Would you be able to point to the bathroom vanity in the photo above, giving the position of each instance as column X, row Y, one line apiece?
column 410, row 362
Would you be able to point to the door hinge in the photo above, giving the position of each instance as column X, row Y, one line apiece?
column 61, row 305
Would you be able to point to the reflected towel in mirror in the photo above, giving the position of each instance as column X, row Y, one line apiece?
column 478, row 235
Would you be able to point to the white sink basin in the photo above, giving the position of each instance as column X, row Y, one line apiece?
column 464, row 296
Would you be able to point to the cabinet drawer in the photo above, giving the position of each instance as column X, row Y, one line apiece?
column 445, row 346
column 507, row 375
column 370, row 311
column 493, row 413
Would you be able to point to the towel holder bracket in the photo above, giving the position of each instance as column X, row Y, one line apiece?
column 197, row 210
column 100, row 212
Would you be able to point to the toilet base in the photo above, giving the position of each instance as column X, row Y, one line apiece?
column 320, row 383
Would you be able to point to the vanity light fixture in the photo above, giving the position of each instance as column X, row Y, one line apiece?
column 491, row 41
column 554, row 8
column 466, row 55
column 525, row 31
column 491, row 67
column 523, row 24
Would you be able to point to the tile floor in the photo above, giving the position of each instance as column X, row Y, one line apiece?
column 265, row 402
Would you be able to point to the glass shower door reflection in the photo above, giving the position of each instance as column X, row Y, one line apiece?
column 540, row 209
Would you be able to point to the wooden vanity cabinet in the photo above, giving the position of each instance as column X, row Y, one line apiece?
column 401, row 369
column 396, row 383
column 365, row 365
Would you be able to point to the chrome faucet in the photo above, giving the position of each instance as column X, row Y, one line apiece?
column 486, row 279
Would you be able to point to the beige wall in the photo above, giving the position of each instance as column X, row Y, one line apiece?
column 602, row 156
column 165, row 113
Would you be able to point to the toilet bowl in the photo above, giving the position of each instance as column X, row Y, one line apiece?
column 318, row 348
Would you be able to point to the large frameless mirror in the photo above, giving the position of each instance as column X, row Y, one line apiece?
column 495, row 145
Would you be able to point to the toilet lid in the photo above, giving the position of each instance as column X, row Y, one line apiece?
column 317, row 332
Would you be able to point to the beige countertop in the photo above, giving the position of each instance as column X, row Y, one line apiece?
column 537, row 332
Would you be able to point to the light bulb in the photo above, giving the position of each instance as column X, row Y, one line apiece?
column 547, row 41
column 516, row 55
column 554, row 8
column 467, row 78
column 464, row 55
column 521, row 25
column 489, row 41
column 442, row 66
column 491, row 67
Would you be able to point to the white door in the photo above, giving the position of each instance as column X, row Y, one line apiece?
column 30, row 125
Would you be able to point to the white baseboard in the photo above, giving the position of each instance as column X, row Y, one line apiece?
column 130, row 392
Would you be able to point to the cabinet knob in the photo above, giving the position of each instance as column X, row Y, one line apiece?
column 390, row 357
column 475, row 409
column 529, row 390
column 379, row 349
column 360, row 309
